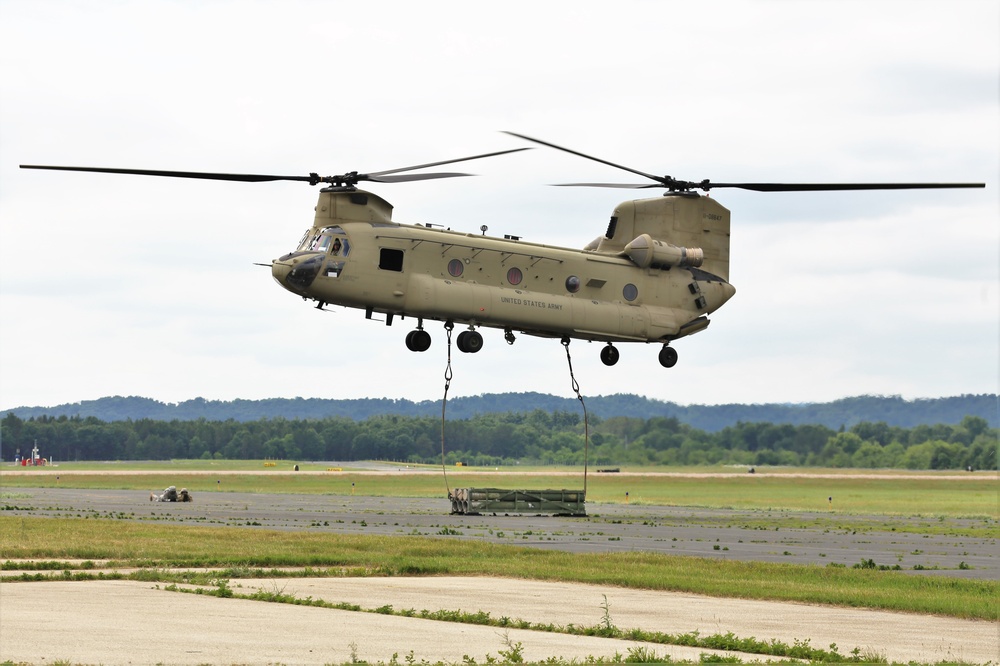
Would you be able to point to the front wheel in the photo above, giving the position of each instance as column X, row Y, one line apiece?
column 668, row 357
column 418, row 340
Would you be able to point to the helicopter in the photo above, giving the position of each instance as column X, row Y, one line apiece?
column 654, row 276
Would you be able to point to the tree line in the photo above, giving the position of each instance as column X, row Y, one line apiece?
column 535, row 437
column 894, row 410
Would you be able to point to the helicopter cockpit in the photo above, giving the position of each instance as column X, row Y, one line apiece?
column 319, row 252
column 327, row 239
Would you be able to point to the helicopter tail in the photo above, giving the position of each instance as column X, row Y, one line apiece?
column 697, row 225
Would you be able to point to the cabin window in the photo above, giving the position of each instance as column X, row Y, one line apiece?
column 630, row 292
column 455, row 268
column 572, row 284
column 514, row 276
column 390, row 260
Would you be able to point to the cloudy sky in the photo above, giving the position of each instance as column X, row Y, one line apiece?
column 127, row 285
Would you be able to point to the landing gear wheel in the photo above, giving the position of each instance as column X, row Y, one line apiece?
column 470, row 342
column 609, row 355
column 418, row 340
column 668, row 357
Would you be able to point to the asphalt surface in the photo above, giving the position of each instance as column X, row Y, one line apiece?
column 770, row 536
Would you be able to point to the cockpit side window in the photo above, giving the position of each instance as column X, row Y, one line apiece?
column 304, row 243
column 332, row 239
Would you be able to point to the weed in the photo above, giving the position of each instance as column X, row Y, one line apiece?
column 514, row 652
column 606, row 624
column 644, row 655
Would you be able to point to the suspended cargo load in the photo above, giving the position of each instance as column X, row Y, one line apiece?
column 475, row 501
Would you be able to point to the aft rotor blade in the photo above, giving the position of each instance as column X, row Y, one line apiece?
column 623, row 186
column 433, row 164
column 658, row 179
column 240, row 177
column 830, row 187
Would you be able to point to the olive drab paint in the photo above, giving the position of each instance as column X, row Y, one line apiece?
column 655, row 275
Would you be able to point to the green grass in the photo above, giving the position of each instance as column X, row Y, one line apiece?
column 158, row 545
column 888, row 494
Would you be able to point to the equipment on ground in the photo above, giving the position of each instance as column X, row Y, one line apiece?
column 171, row 494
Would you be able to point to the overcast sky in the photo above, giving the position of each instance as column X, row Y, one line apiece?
column 128, row 285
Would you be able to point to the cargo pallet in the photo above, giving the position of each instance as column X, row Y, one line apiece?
column 476, row 501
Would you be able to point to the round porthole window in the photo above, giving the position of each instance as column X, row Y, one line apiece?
column 455, row 268
column 572, row 284
column 514, row 276
column 630, row 292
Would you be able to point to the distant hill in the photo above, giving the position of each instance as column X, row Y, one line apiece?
column 846, row 412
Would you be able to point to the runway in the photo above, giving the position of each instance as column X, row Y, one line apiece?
column 92, row 622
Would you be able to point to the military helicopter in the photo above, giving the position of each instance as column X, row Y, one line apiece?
column 654, row 276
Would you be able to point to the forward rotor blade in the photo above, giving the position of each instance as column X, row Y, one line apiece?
column 240, row 177
column 830, row 187
column 658, row 179
column 433, row 164
column 406, row 178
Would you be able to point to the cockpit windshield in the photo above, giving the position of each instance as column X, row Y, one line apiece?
column 327, row 239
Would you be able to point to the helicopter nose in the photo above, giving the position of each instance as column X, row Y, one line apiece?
column 298, row 273
column 279, row 270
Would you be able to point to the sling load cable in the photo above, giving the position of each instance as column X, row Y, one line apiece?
column 586, row 424
column 448, row 326
column 576, row 388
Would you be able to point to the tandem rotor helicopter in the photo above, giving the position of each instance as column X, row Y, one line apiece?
column 654, row 276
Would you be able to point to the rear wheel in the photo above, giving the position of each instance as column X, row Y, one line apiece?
column 668, row 357
column 609, row 355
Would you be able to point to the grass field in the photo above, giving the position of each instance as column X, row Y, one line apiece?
column 889, row 493
column 157, row 547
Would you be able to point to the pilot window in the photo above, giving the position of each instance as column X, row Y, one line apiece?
column 328, row 239
column 390, row 260
column 304, row 243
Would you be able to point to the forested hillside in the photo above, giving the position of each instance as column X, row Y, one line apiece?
column 536, row 437
column 847, row 412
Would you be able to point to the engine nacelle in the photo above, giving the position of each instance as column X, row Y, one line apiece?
column 647, row 252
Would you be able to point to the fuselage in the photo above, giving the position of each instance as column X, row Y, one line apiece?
column 355, row 256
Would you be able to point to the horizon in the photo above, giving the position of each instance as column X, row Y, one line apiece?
column 507, row 393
